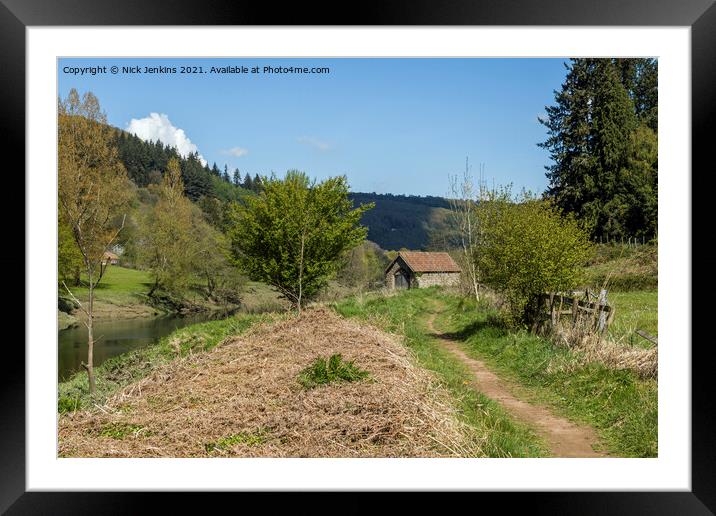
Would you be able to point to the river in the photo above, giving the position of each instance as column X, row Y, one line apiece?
column 116, row 337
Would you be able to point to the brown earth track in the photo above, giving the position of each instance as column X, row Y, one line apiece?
column 564, row 438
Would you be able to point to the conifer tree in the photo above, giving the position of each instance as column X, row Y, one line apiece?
column 602, row 144
column 248, row 184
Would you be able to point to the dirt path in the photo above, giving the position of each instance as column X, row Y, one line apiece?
column 565, row 438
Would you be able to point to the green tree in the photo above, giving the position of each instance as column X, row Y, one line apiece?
column 69, row 257
column 294, row 234
column 364, row 266
column 212, row 263
column 197, row 180
column 93, row 191
column 604, row 115
column 213, row 210
column 527, row 248
column 166, row 245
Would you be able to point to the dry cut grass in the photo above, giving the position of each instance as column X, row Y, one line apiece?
column 243, row 399
column 614, row 353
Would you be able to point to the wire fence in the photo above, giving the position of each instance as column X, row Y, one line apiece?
column 625, row 241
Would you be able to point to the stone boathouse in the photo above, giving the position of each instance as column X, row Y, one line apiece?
column 415, row 269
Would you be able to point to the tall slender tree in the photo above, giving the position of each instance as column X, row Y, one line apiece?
column 93, row 192
column 167, row 245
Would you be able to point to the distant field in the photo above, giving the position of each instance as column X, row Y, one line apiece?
column 123, row 287
column 119, row 285
column 623, row 268
column 634, row 310
column 630, row 274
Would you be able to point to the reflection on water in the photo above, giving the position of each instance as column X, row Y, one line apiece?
column 114, row 338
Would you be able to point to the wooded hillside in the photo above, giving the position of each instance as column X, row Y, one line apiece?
column 396, row 222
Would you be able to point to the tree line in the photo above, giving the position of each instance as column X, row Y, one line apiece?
column 145, row 161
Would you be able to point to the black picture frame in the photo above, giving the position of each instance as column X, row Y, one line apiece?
column 17, row 15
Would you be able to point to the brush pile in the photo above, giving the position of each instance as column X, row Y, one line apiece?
column 243, row 399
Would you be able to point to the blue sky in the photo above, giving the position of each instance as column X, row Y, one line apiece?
column 391, row 125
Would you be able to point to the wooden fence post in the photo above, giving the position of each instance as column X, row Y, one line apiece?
column 575, row 307
column 602, row 321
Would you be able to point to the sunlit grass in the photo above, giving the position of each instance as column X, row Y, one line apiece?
column 634, row 310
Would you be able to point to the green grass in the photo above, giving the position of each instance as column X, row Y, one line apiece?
column 335, row 369
column 405, row 314
column 120, row 430
column 622, row 407
column 634, row 310
column 119, row 285
column 123, row 292
column 246, row 438
column 118, row 372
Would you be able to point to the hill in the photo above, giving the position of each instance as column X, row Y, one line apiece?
column 396, row 222
column 406, row 221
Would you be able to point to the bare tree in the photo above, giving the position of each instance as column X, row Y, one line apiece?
column 93, row 192
column 463, row 206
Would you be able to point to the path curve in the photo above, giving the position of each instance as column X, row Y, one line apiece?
column 565, row 438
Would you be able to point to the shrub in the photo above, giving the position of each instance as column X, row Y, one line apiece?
column 67, row 404
column 528, row 248
column 335, row 369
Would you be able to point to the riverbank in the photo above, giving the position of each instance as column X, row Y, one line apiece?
column 225, row 403
column 123, row 294
column 119, row 371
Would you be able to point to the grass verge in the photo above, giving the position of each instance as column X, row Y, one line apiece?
column 404, row 314
column 620, row 405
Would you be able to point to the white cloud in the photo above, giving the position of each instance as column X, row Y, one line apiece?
column 237, row 152
column 315, row 143
column 158, row 127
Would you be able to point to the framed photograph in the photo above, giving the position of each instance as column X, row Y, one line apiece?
column 419, row 252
